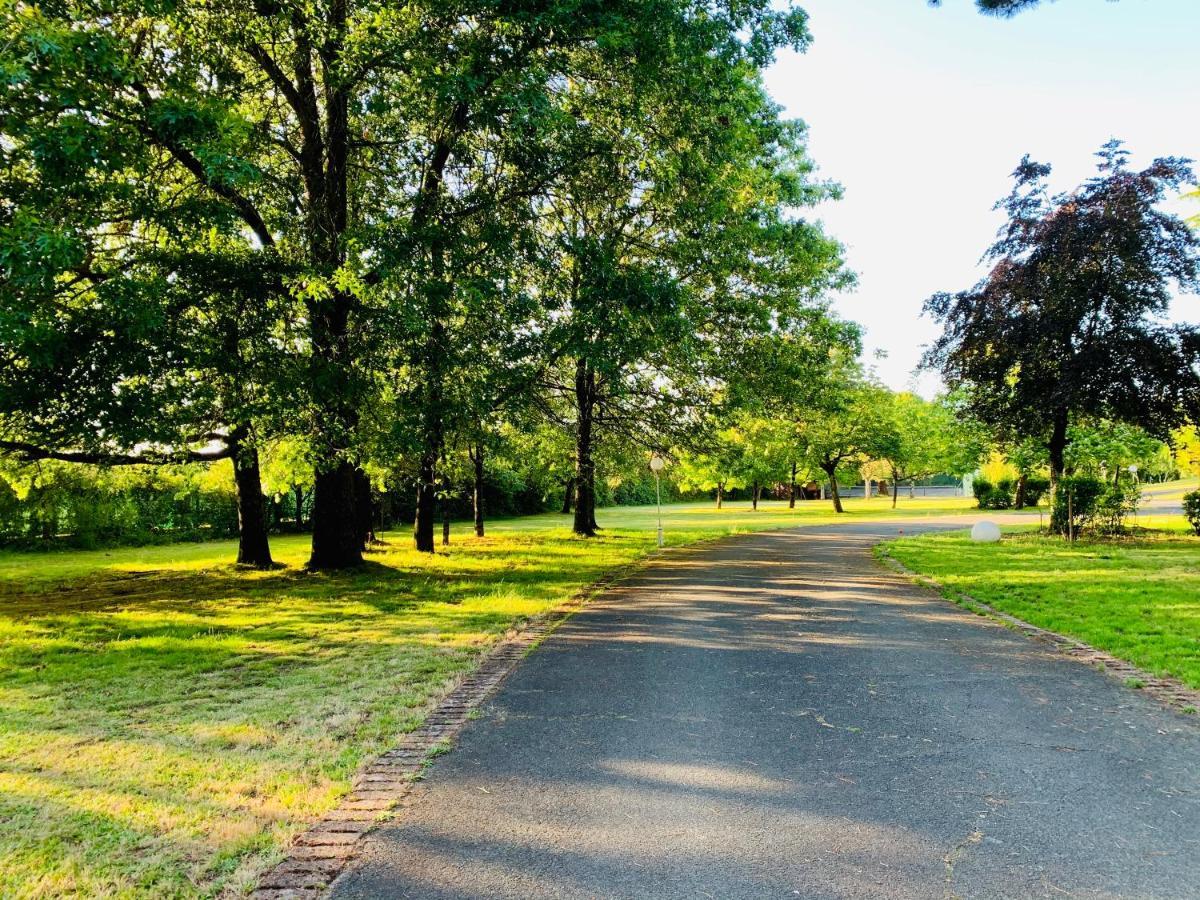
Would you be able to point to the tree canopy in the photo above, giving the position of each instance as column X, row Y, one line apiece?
column 1068, row 324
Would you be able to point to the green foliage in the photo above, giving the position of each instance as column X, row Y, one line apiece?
column 994, row 496
column 1119, row 500
column 1036, row 489
column 1076, row 503
column 1191, row 509
column 54, row 503
column 1068, row 327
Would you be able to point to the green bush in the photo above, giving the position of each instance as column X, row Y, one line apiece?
column 994, row 496
column 1076, row 503
column 1191, row 509
column 1116, row 504
column 1036, row 489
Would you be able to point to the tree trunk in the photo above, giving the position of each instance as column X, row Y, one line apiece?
column 445, row 523
column 754, row 496
column 792, row 490
column 585, row 485
column 426, row 501
column 364, row 508
column 568, row 496
column 335, row 538
column 720, row 493
column 477, row 494
column 592, row 494
column 253, row 544
column 895, row 491
column 1019, row 500
column 833, row 489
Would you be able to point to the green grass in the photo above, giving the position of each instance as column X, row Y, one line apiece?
column 168, row 722
column 1138, row 599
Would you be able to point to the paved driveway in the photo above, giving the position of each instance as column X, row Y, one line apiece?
column 778, row 716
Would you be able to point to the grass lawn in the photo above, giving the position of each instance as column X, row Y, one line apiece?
column 1138, row 599
column 168, row 722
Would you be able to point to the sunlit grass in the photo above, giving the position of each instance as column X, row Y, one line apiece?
column 168, row 722
column 1138, row 599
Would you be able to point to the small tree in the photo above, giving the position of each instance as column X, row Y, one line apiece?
column 846, row 432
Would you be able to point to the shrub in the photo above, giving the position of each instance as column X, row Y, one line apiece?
column 981, row 487
column 994, row 496
column 1036, row 488
column 1076, row 503
column 1116, row 503
column 1191, row 509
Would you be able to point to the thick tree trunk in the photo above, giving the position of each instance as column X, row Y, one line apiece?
column 833, row 489
column 426, row 501
column 720, row 493
column 592, row 494
column 253, row 544
column 568, row 496
column 585, row 485
column 477, row 493
column 1019, row 500
column 335, row 538
column 754, row 496
column 792, row 489
column 364, row 508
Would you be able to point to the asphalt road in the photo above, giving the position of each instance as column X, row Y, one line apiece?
column 778, row 716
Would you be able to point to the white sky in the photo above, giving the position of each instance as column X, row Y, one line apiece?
column 922, row 114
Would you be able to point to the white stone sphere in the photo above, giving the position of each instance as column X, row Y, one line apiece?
column 985, row 532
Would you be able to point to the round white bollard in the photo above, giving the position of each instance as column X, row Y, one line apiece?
column 985, row 532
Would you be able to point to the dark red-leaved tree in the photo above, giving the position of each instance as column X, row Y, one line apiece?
column 1069, row 323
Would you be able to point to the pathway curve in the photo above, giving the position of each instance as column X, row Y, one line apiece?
column 777, row 715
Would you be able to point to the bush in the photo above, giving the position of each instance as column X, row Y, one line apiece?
column 994, row 496
column 1191, row 510
column 1117, row 503
column 1036, row 489
column 1076, row 503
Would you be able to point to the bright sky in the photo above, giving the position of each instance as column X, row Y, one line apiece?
column 922, row 114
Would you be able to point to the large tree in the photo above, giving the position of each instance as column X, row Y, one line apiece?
column 673, row 245
column 1068, row 324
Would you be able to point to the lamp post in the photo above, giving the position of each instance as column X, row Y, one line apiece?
column 657, row 463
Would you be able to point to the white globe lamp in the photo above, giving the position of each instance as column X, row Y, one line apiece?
column 985, row 532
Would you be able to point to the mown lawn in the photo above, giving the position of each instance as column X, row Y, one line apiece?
column 1138, row 599
column 168, row 722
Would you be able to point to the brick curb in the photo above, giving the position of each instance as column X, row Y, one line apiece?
column 318, row 855
column 1169, row 691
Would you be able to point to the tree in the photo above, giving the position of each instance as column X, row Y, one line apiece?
column 714, row 466
column 1067, row 324
column 673, row 245
column 845, row 431
column 1186, row 442
column 1108, row 449
column 920, row 439
column 1002, row 8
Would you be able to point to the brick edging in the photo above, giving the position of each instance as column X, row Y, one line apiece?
column 317, row 856
column 1169, row 691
